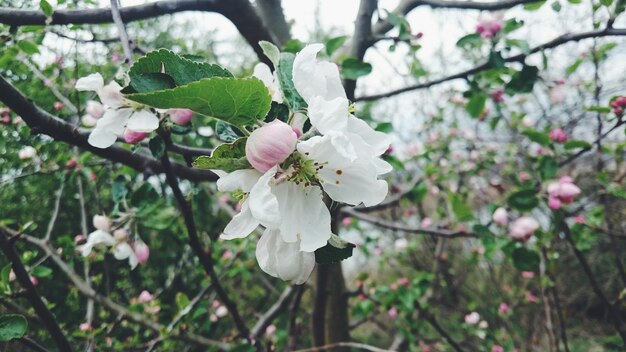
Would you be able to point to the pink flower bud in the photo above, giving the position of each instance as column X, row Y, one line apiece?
column 88, row 120
column 221, row 311
column 524, row 176
column 78, row 239
column 58, row 106
column 121, row 234
column 34, row 281
column 12, row 275
column 500, row 216
column 27, row 152
column 564, row 191
column 71, row 164
column 84, row 327
column 426, row 222
column 132, row 137
column 142, row 251
column 554, row 203
column 346, row 222
column 530, row 297
column 403, row 281
column 523, row 228
column 393, row 313
column 94, row 109
column 503, row 308
column 270, row 330
column 180, row 116
column 101, row 222
column 557, row 135
column 270, row 145
column 497, row 348
column 579, row 219
column 528, row 274
column 227, row 255
column 498, row 95
column 145, row 297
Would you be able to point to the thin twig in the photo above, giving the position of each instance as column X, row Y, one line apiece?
column 121, row 30
column 266, row 319
column 359, row 346
column 55, row 212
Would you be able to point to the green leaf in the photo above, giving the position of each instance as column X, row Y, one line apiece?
column 600, row 109
column 271, row 51
column 520, row 44
column 573, row 67
column 534, row 5
column 335, row 251
column 119, row 190
column 149, row 82
column 352, row 68
column 28, row 47
column 293, row 46
column 512, row 25
column 476, row 104
column 606, row 3
column 182, row 300
column 496, row 60
column 556, row 6
column 523, row 200
column 180, row 69
column 41, row 271
column 548, row 167
column 285, row 69
column 157, row 146
column 227, row 157
column 525, row 259
column 576, row 144
column 523, row 81
column 12, row 326
column 386, row 127
column 4, row 278
column 537, row 137
column 225, row 132
column 240, row 102
column 461, row 210
column 278, row 111
column 46, row 8
column 472, row 39
column 334, row 43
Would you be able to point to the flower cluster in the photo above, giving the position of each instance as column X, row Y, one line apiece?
column 136, row 251
column 118, row 117
column 618, row 105
column 558, row 135
column 284, row 191
column 488, row 27
column 562, row 192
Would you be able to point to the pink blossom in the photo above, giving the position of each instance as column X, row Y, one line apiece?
column 488, row 27
column 530, row 297
column 346, row 222
column 503, row 308
column 498, row 95
column 270, row 145
column 528, row 274
column 121, row 234
column 558, row 135
column 403, row 281
column 213, row 318
column 579, row 219
column 497, row 348
column 84, row 327
column 500, row 216
column 393, row 313
column 270, row 330
column 554, row 203
column 145, row 297
column 34, row 281
column 400, row 244
column 71, row 164
column 101, row 222
column 426, row 222
column 58, row 106
column 472, row 319
column 221, row 311
column 564, row 191
column 523, row 228
column 227, row 255
column 132, row 137
column 142, row 251
column 524, row 176
column 180, row 116
column 27, row 152
column 79, row 239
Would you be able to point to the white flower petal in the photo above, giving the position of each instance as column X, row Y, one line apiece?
column 97, row 238
column 354, row 184
column 304, row 216
column 114, row 120
column 263, row 202
column 238, row 180
column 122, row 250
column 241, row 225
column 111, row 95
column 312, row 78
column 283, row 260
column 334, row 149
column 101, row 138
column 143, row 121
column 379, row 141
column 328, row 115
column 93, row 82
column 263, row 72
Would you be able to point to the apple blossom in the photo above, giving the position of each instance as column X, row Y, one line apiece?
column 282, row 259
column 58, row 106
column 503, row 308
column 142, row 251
column 400, row 244
column 497, row 348
column 392, row 313
column 221, row 311
column 101, row 222
column 528, row 274
column 472, row 318
column 618, row 105
column 489, row 26
column 498, row 95
column 270, row 145
column 270, row 330
column 313, row 78
column 95, row 109
column 426, row 222
column 500, row 216
column 554, row 203
column 523, row 228
column 557, row 135
column 88, row 120
column 118, row 116
column 84, row 327
column 562, row 192
column 579, row 219
column 27, row 152
column 145, row 297
column 180, row 116
column 346, row 222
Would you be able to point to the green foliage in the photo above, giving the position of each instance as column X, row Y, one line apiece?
column 226, row 157
column 523, row 81
column 352, row 68
column 523, row 200
column 525, row 259
column 334, row 43
column 285, row 77
column 12, row 326
column 335, row 251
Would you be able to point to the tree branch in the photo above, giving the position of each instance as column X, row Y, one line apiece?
column 399, row 227
column 6, row 245
column 267, row 317
column 239, row 12
column 361, row 38
column 560, row 40
column 42, row 122
column 196, row 246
